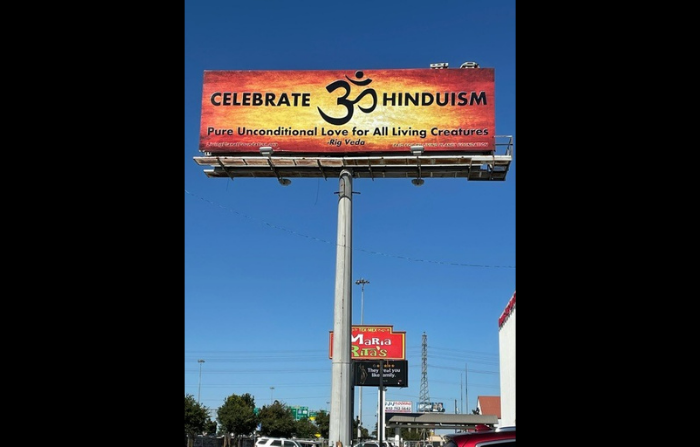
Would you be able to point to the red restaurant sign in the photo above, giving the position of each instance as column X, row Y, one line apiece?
column 375, row 343
column 348, row 111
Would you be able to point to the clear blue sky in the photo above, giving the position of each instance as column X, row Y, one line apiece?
column 260, row 258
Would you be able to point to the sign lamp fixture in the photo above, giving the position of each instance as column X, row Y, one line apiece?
column 266, row 151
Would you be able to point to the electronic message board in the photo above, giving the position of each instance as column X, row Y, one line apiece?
column 367, row 373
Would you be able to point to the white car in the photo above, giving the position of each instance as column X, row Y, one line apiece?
column 267, row 441
column 373, row 443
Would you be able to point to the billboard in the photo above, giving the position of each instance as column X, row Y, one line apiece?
column 431, row 407
column 367, row 373
column 375, row 343
column 348, row 111
column 398, row 406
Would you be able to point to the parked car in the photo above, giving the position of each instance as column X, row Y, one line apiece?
column 482, row 436
column 373, row 443
column 307, row 443
column 267, row 441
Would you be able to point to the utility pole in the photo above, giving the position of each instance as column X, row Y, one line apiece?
column 361, row 282
column 466, row 395
column 199, row 388
column 340, row 420
column 424, row 398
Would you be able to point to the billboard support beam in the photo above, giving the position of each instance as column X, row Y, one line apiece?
column 218, row 160
column 266, row 151
column 471, row 166
column 340, row 429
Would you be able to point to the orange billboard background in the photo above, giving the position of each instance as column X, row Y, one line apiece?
column 348, row 111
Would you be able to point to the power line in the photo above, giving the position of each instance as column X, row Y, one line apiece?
column 372, row 252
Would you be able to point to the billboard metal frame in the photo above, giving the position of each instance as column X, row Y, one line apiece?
column 471, row 166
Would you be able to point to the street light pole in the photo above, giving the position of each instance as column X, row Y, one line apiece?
column 272, row 388
column 199, row 389
column 362, row 282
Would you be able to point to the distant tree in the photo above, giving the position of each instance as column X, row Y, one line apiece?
column 305, row 429
column 210, row 427
column 388, row 433
column 364, row 433
column 476, row 411
column 237, row 416
column 410, row 434
column 323, row 422
column 277, row 420
column 196, row 418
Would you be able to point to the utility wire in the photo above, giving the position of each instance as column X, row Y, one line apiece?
column 372, row 252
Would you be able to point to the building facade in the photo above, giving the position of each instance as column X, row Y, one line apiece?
column 506, row 347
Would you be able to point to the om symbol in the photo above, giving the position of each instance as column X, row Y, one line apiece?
column 344, row 101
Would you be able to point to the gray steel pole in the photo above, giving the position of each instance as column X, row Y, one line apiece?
column 466, row 388
column 380, row 419
column 340, row 429
column 199, row 388
column 362, row 282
